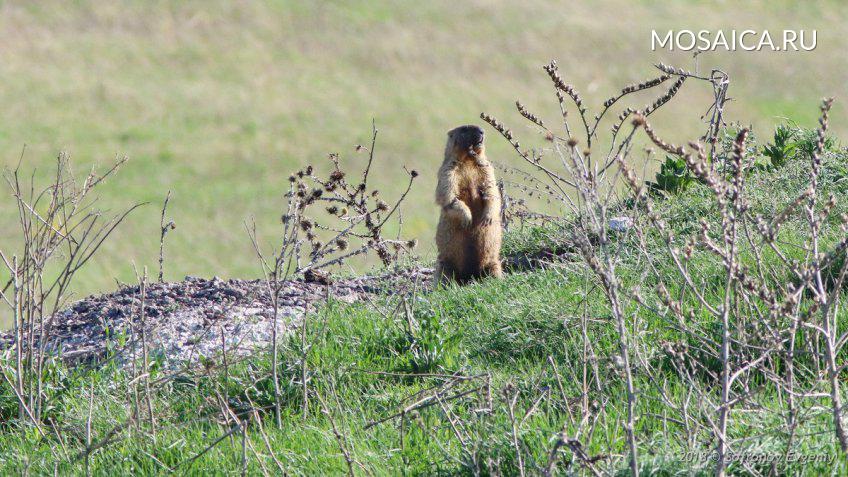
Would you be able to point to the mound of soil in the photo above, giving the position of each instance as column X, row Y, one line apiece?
column 187, row 321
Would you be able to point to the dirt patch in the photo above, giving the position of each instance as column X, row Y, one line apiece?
column 185, row 321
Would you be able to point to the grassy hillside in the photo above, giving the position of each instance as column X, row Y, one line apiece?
column 219, row 101
column 539, row 352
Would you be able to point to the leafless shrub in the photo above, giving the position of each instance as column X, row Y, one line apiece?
column 165, row 226
column 585, row 188
column 60, row 231
column 770, row 333
column 582, row 186
column 351, row 224
column 759, row 312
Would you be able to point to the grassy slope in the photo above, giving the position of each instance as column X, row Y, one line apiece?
column 219, row 102
column 506, row 328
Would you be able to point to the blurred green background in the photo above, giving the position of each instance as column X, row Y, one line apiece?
column 220, row 101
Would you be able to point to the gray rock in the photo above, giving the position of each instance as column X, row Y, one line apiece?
column 620, row 224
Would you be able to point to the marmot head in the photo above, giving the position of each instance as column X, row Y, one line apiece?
column 466, row 142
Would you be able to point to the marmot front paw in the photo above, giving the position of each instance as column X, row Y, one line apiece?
column 487, row 219
column 465, row 218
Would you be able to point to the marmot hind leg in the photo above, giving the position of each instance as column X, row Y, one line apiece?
column 443, row 274
column 492, row 269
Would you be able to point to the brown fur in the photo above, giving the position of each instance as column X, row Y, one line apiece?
column 469, row 233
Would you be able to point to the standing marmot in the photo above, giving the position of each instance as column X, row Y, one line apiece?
column 469, row 232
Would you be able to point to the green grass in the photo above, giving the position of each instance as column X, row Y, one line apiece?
column 507, row 330
column 219, row 102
